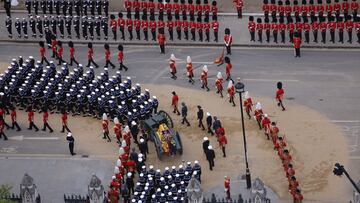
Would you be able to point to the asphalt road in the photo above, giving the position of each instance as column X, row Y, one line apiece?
column 326, row 80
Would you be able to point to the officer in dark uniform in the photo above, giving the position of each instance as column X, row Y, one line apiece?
column 98, row 7
column 68, row 22
column 105, row 27
column 43, row 6
column 35, row 5
column 39, row 26
column 77, row 7
column 46, row 22
column 49, row 5
column 53, row 24
column 97, row 25
column 64, row 7
column 57, row 6
column 84, row 26
column 24, row 25
column 32, row 24
column 77, row 26
column 105, row 5
column 61, row 26
column 91, row 28
column 28, row 6
column 8, row 24
column 18, row 27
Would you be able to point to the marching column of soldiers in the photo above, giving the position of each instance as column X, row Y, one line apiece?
column 188, row 20
column 309, row 20
column 30, row 85
column 68, row 7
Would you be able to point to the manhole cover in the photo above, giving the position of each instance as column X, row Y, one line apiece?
column 290, row 98
column 85, row 156
column 321, row 100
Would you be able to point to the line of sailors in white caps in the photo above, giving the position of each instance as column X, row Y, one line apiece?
column 169, row 186
column 32, row 84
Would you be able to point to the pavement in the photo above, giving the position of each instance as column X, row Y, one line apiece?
column 239, row 31
column 323, row 79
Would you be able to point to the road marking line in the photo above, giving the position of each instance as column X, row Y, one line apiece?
column 268, row 80
column 345, row 121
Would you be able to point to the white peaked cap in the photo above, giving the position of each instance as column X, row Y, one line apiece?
column 133, row 123
column 116, row 170
column 205, row 68
column 142, row 140
column 116, row 120
column 123, row 143
column 151, row 167
column 166, row 168
column 69, row 134
column 265, row 115
column 219, row 75
column 210, row 147
column 118, row 162
column 154, row 97
column 205, row 138
column 258, row 106
column 121, row 151
column 129, row 174
column 140, row 155
column 188, row 59
column 140, row 159
column 173, row 167
column 208, row 114
column 104, row 117
column 113, row 177
column 230, row 84
column 247, row 95
column 172, row 57
column 196, row 162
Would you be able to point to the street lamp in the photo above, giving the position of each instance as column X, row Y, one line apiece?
column 239, row 87
column 339, row 170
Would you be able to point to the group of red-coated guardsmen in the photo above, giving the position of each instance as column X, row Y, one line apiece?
column 319, row 9
column 317, row 24
column 272, row 132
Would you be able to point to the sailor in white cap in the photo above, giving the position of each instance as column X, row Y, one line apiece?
column 248, row 104
column 130, row 182
column 231, row 92
column 143, row 147
column 258, row 114
column 105, row 127
column 189, row 70
column 218, row 84
column 210, row 156
column 204, row 79
column 71, row 142
column 205, row 144
column 172, row 66
column 134, row 129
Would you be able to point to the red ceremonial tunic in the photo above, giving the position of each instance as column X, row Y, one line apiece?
column 42, row 52
column 189, row 70
column 175, row 100
column 72, row 52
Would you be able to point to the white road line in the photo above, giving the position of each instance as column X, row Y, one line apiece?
column 345, row 121
column 269, row 80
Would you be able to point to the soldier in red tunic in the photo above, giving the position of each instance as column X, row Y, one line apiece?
column 349, row 24
column 191, row 10
column 199, row 10
column 174, row 103
column 323, row 28
column 315, row 28
column 214, row 8
column 329, row 9
column 64, row 119
column 105, row 127
column 298, row 197
column 290, row 27
column 266, row 8
column 117, row 130
column 136, row 5
column 231, row 92
column 13, row 119
column 228, row 41
column 239, row 4
column 199, row 27
column 282, row 28
column 145, row 28
column 107, row 56
column 357, row 29
column 251, row 27
column 275, row 30
column 248, row 104
column 259, row 28
column 176, row 8
column 151, row 7
column 2, row 126
column 60, row 53
column 273, row 9
column 121, row 23
column 53, row 46
column 121, row 57
column 297, row 45
column 189, row 70
column 228, row 68
column 192, row 25
column 129, row 25
column 307, row 28
column 354, row 7
column 267, row 28
column 206, row 26
column 45, row 121
column 160, row 8
column 31, row 119
column 178, row 27
column 161, row 40
column 258, row 114
column 113, row 26
column 222, row 143
column 215, row 27
column 204, row 78
column 274, row 131
column 206, row 8
column 42, row 51
column 172, row 66
column 144, row 7
column 265, row 123
column 227, row 187
column 340, row 25
column 320, row 9
column 168, row 9
column 128, row 6
column 304, row 9
column 90, row 55
column 72, row 53
column 332, row 28
column 170, row 26
column 218, row 84
column 113, row 195
column 153, row 26
column 345, row 7
column 137, row 25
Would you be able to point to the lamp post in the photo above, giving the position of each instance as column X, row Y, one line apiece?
column 339, row 170
column 239, row 87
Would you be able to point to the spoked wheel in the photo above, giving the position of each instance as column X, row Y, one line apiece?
column 169, row 121
column 158, row 152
